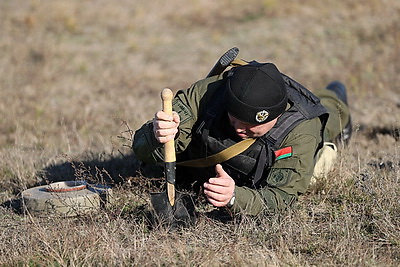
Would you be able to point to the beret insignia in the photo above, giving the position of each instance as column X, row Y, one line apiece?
column 262, row 115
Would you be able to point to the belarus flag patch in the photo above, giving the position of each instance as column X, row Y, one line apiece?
column 283, row 153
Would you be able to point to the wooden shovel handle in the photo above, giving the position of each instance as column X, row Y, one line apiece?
column 169, row 149
column 166, row 96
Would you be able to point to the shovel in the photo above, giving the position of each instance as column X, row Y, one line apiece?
column 171, row 208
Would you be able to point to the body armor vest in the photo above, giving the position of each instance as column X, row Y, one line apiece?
column 213, row 133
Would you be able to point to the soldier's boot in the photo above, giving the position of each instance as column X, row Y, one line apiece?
column 340, row 90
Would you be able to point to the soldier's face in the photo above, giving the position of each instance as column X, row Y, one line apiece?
column 245, row 130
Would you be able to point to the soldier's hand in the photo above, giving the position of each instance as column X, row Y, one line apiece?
column 219, row 190
column 165, row 126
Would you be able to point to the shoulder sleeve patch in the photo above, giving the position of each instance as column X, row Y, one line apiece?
column 184, row 111
column 279, row 177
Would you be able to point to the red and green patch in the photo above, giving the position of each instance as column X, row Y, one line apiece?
column 283, row 153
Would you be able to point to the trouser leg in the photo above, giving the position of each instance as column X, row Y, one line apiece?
column 339, row 116
column 339, row 113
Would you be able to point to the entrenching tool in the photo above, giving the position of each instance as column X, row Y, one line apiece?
column 169, row 150
column 170, row 207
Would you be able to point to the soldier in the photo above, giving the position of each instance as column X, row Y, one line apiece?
column 265, row 128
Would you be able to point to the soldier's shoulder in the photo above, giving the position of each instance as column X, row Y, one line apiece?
column 310, row 127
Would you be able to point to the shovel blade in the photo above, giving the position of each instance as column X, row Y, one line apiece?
column 182, row 214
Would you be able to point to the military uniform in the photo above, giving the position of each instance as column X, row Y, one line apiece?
column 288, row 174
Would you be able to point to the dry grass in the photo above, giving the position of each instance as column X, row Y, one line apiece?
column 75, row 76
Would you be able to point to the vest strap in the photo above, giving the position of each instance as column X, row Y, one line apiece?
column 219, row 157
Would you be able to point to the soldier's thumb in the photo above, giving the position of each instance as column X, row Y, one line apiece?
column 220, row 171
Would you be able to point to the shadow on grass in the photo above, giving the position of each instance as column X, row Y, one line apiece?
column 98, row 169
column 373, row 132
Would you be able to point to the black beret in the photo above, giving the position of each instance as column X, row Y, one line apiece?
column 256, row 94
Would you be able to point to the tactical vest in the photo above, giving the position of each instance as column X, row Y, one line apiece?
column 213, row 133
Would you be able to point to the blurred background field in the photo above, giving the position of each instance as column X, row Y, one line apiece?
column 77, row 77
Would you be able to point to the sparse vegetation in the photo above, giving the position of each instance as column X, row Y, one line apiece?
column 77, row 77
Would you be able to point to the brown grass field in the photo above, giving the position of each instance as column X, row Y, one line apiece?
column 77, row 77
